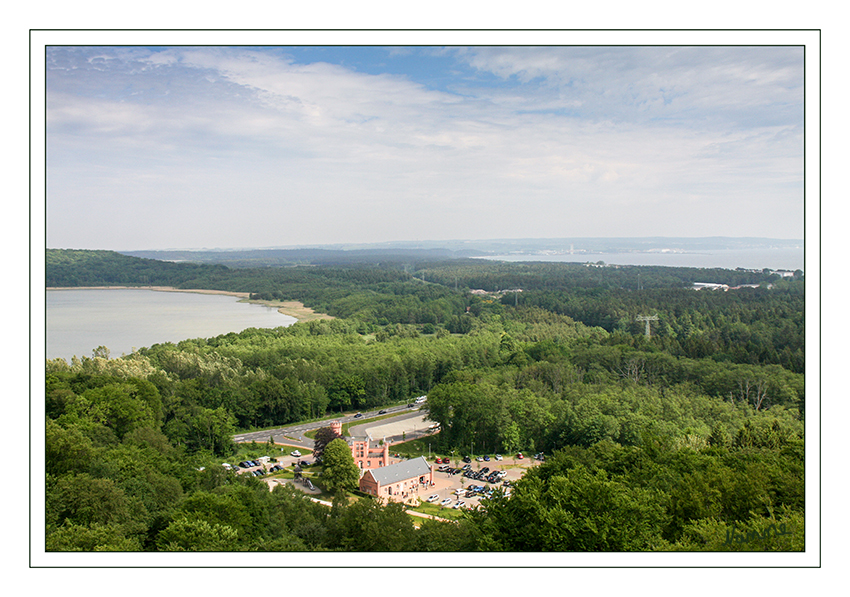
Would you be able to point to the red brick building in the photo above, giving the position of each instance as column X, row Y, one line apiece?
column 368, row 453
column 398, row 482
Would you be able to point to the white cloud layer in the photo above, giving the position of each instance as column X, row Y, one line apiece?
column 239, row 147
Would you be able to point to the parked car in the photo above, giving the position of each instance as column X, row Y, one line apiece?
column 295, row 453
column 520, row 456
column 486, row 458
column 433, row 498
column 498, row 456
column 459, row 505
column 446, row 502
column 467, row 459
column 485, row 470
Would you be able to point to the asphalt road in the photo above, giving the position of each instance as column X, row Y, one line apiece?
column 294, row 435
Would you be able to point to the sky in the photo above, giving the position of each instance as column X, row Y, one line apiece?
column 240, row 146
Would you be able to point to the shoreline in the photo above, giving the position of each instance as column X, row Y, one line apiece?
column 294, row 309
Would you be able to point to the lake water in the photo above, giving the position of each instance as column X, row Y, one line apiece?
column 782, row 258
column 78, row 321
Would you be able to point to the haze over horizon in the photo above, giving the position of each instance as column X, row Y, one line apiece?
column 251, row 147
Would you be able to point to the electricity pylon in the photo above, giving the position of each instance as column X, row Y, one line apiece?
column 647, row 319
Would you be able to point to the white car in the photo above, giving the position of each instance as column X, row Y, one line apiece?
column 433, row 498
column 295, row 453
column 498, row 456
column 459, row 505
column 446, row 502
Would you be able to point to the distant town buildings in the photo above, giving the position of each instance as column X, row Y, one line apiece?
column 496, row 293
column 709, row 286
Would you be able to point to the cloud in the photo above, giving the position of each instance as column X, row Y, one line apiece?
column 659, row 82
column 258, row 147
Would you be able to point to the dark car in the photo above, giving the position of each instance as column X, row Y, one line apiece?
column 358, row 415
column 382, row 412
column 487, row 459
column 467, row 459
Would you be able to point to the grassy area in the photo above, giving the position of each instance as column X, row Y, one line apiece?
column 438, row 511
column 415, row 448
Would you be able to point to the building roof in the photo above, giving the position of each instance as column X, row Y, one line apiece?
column 400, row 471
column 375, row 444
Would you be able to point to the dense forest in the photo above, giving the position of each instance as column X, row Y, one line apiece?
column 676, row 441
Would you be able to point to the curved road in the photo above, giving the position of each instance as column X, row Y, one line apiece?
column 408, row 424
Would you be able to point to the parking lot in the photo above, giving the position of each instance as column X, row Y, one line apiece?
column 454, row 486
column 268, row 464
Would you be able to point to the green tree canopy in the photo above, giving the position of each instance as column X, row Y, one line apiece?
column 339, row 472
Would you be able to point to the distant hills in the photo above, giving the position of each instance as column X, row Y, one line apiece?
column 406, row 251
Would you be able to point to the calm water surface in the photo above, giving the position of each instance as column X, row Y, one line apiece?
column 78, row 321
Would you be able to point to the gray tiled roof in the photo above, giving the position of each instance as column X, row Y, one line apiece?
column 400, row 471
